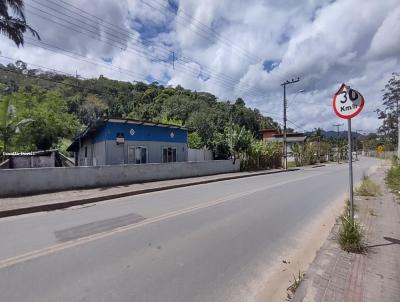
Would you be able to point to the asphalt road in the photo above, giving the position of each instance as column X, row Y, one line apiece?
column 209, row 242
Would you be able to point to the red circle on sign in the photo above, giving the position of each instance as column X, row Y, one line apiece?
column 347, row 117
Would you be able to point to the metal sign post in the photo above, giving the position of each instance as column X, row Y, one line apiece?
column 347, row 103
column 350, row 156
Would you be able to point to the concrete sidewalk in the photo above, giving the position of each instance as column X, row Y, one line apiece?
column 336, row 275
column 59, row 200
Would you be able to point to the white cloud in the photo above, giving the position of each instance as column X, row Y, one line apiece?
column 323, row 42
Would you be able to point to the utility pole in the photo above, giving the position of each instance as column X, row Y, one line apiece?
column 356, row 143
column 338, row 134
column 284, row 84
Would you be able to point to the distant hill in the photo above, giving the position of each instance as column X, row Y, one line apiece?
column 60, row 104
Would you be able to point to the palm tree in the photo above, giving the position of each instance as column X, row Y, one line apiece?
column 14, row 26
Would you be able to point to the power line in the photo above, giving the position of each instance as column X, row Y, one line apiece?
column 99, row 37
column 221, row 78
column 99, row 92
column 82, row 58
column 48, row 79
column 125, row 32
column 297, row 126
column 206, row 31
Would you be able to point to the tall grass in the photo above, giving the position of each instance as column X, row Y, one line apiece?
column 351, row 235
column 368, row 188
column 393, row 178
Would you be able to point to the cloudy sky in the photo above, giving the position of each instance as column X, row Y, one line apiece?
column 231, row 48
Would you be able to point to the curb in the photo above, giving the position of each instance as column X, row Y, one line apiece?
column 77, row 202
column 318, row 166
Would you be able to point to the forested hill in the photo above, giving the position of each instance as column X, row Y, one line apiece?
column 60, row 105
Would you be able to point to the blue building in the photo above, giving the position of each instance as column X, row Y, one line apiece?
column 126, row 141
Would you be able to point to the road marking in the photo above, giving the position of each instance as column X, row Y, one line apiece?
column 62, row 246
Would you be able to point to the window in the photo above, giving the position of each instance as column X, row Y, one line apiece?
column 169, row 155
column 137, row 155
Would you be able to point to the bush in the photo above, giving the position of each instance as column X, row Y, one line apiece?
column 261, row 155
column 393, row 178
column 351, row 236
column 368, row 188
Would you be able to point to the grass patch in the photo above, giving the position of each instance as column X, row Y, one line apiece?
column 291, row 164
column 368, row 188
column 295, row 283
column 393, row 178
column 351, row 236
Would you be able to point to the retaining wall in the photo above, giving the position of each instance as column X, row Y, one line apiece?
column 28, row 181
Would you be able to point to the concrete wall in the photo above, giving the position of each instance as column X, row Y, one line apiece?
column 39, row 180
column 34, row 161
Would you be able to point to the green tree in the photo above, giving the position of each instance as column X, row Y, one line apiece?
column 390, row 114
column 86, row 100
column 239, row 139
column 195, row 141
column 9, row 125
column 14, row 26
column 50, row 120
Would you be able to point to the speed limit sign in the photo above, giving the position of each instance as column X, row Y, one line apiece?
column 347, row 102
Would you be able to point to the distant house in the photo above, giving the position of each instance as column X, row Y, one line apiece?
column 273, row 135
column 127, row 141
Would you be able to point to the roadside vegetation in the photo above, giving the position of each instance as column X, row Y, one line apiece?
column 316, row 149
column 295, row 283
column 351, row 236
column 368, row 188
column 44, row 109
column 393, row 178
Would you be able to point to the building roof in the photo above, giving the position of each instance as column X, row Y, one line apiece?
column 290, row 137
column 96, row 125
column 31, row 153
column 269, row 130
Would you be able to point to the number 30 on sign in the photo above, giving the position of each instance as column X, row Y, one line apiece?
column 347, row 102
